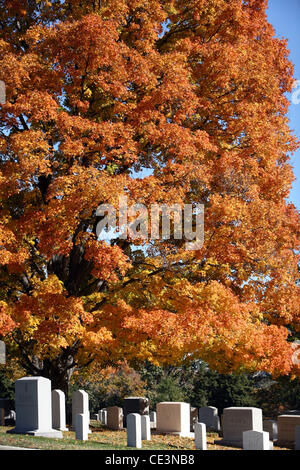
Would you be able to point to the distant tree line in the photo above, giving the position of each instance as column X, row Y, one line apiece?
column 194, row 383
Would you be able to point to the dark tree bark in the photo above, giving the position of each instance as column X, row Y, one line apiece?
column 59, row 370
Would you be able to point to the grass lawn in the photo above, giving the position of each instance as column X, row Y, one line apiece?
column 103, row 439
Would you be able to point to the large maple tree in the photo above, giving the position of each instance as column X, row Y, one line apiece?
column 192, row 94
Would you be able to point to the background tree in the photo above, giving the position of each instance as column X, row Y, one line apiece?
column 193, row 92
column 198, row 385
column 9, row 373
column 280, row 396
column 166, row 383
column 108, row 387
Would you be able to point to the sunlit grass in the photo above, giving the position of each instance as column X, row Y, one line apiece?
column 103, row 439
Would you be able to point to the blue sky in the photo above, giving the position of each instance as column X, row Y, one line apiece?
column 284, row 15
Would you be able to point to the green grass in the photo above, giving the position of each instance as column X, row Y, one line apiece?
column 99, row 439
column 103, row 439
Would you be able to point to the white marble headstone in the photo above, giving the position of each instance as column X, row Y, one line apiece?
column 80, row 405
column 59, row 410
column 236, row 420
column 134, row 430
column 145, row 426
column 256, row 440
column 173, row 418
column 81, row 427
column 33, row 407
column 200, row 436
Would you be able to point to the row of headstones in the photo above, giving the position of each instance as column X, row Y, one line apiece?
column 115, row 417
column 237, row 421
column 40, row 412
column 242, row 427
column 34, row 415
column 180, row 418
column 138, row 430
column 80, row 412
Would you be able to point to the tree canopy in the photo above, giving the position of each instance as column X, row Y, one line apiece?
column 192, row 94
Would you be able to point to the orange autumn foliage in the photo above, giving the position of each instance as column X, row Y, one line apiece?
column 193, row 94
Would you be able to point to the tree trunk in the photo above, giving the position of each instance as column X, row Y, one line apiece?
column 59, row 370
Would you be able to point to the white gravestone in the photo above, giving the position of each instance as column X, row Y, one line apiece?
column 80, row 405
column 81, row 427
column 134, row 430
column 33, row 408
column 208, row 415
column 59, row 410
column 173, row 418
column 145, row 427
column 200, row 436
column 256, row 440
column 236, row 420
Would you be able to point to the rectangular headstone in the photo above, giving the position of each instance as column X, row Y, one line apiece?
column 134, row 430
column 173, row 418
column 138, row 405
column 200, row 436
column 80, row 405
column 256, row 440
column 208, row 415
column 286, row 429
column 33, row 407
column 81, row 427
column 145, row 427
column 237, row 420
column 59, row 410
column 115, row 418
